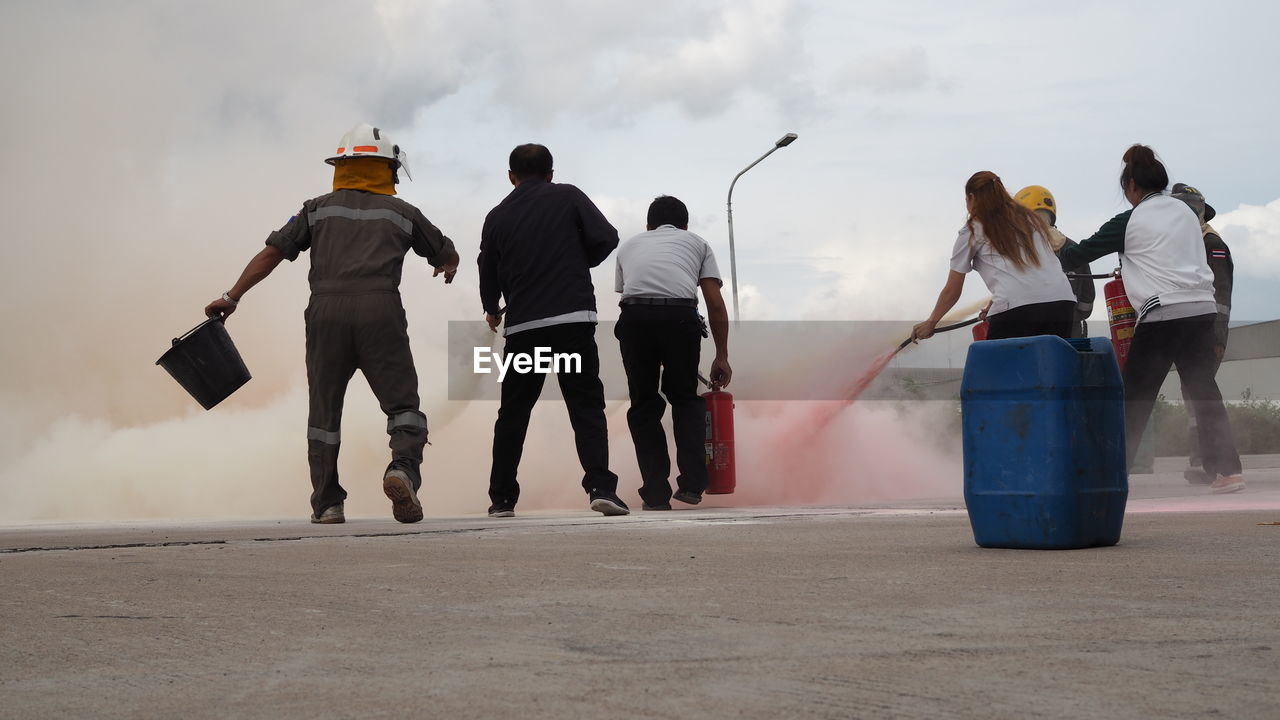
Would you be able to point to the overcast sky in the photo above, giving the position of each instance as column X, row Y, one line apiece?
column 151, row 146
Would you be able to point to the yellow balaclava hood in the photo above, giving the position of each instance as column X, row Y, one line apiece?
column 1056, row 238
column 371, row 174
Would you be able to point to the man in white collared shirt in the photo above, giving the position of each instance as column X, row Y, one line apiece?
column 660, row 333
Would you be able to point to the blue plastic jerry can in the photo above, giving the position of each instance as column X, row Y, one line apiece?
column 1044, row 452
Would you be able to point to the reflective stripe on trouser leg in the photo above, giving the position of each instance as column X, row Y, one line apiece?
column 331, row 362
column 387, row 363
column 322, row 458
column 325, row 436
column 411, row 418
column 408, row 433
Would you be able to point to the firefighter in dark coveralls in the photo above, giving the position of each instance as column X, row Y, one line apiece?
column 358, row 236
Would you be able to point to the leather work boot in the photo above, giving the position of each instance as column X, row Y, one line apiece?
column 404, row 501
column 332, row 515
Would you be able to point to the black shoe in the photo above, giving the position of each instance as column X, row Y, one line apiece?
column 608, row 504
column 688, row 497
column 502, row 511
column 1197, row 476
column 659, row 506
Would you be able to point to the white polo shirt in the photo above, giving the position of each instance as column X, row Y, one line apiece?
column 665, row 262
column 1009, row 286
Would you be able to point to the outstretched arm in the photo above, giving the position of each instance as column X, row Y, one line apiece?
column 1109, row 239
column 258, row 268
column 946, row 300
column 432, row 244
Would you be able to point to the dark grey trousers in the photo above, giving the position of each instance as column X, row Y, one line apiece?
column 365, row 332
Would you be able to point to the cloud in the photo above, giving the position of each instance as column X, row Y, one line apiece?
column 1253, row 234
column 892, row 72
column 744, row 46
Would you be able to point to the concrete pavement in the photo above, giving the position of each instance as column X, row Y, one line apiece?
column 866, row 612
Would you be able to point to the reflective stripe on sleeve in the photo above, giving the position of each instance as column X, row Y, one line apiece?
column 325, row 436
column 391, row 216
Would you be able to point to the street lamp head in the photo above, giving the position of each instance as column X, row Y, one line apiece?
column 786, row 140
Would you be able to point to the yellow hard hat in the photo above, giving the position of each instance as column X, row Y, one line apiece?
column 1036, row 197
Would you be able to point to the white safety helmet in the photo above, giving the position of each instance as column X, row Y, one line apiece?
column 365, row 140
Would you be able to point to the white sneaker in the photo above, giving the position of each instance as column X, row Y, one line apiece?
column 1227, row 484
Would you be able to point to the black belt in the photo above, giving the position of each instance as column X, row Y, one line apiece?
column 681, row 302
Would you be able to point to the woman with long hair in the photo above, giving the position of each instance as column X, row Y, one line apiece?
column 1008, row 245
column 1168, row 280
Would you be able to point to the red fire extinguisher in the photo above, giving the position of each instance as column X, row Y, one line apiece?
column 980, row 330
column 1122, row 317
column 719, row 443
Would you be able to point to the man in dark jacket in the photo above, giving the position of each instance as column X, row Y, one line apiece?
column 358, row 236
column 537, row 249
column 1219, row 257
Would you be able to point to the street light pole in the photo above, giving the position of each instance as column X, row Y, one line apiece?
column 782, row 142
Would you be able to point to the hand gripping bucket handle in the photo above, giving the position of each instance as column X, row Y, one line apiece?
column 206, row 363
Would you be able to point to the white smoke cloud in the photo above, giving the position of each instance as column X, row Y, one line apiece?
column 156, row 145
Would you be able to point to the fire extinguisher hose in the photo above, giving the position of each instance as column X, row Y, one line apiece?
column 905, row 343
column 944, row 328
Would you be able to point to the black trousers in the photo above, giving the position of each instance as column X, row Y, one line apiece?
column 1186, row 344
column 365, row 332
column 1051, row 318
column 660, row 349
column 583, row 396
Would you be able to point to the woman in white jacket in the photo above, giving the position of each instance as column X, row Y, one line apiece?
column 1167, row 278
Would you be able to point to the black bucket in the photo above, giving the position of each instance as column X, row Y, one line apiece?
column 206, row 363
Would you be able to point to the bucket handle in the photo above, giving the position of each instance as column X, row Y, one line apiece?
column 188, row 333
